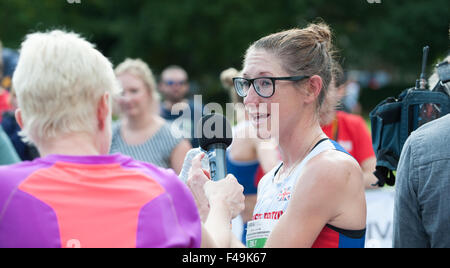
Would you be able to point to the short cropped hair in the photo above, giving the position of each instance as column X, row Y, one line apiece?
column 174, row 67
column 59, row 80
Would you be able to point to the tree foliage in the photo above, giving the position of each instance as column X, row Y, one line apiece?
column 206, row 37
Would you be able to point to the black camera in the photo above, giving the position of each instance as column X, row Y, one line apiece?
column 395, row 118
column 443, row 72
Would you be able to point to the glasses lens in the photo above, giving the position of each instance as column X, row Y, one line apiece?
column 241, row 85
column 264, row 87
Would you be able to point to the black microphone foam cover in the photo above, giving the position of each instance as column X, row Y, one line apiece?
column 214, row 129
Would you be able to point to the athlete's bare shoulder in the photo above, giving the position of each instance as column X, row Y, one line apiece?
column 334, row 166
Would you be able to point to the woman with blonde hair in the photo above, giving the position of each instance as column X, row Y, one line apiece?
column 141, row 132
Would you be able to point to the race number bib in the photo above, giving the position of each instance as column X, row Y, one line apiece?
column 258, row 231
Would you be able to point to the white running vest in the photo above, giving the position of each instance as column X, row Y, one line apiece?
column 273, row 198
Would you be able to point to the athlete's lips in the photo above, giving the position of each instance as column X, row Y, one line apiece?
column 259, row 117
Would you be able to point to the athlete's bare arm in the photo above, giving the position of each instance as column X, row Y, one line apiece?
column 330, row 190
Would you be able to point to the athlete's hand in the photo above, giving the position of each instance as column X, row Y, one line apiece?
column 196, row 180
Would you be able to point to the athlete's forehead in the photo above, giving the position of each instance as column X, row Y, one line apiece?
column 262, row 63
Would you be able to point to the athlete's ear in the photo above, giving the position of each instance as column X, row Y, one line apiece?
column 313, row 88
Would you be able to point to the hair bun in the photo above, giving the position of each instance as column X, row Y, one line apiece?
column 322, row 33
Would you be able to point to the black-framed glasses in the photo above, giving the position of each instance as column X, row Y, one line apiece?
column 264, row 86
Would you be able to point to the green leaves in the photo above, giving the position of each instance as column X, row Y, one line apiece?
column 206, row 37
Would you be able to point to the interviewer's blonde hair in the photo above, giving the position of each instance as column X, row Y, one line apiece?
column 59, row 80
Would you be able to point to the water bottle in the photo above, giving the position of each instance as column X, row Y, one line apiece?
column 188, row 163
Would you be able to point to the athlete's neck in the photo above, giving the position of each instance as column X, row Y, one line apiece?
column 298, row 144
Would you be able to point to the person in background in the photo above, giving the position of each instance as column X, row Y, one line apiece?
column 26, row 151
column 9, row 58
column 76, row 195
column 349, row 130
column 4, row 102
column 176, row 107
column 248, row 157
column 8, row 155
column 350, row 101
column 422, row 202
column 4, row 94
column 142, row 133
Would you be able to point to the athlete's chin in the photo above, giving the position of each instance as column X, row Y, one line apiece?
column 263, row 134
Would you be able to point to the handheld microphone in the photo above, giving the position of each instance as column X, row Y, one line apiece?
column 215, row 137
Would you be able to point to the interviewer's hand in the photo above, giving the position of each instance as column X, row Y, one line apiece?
column 226, row 192
column 218, row 202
